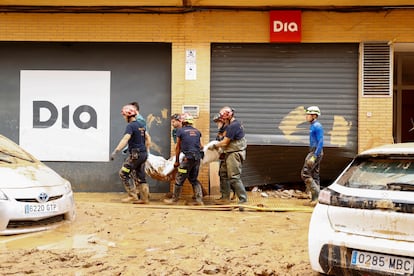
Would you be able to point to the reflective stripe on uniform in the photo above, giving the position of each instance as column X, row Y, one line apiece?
column 180, row 170
column 125, row 170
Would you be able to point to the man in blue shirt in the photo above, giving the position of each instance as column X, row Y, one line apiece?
column 137, row 140
column 190, row 144
column 311, row 167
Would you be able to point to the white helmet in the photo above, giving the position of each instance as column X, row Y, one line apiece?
column 188, row 119
column 313, row 110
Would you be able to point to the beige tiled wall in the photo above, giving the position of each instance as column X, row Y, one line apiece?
column 199, row 29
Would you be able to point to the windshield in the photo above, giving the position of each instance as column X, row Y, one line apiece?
column 10, row 150
column 380, row 173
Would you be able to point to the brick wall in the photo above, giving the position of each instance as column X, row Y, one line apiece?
column 197, row 30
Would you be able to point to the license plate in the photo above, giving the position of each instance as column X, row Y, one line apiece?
column 382, row 262
column 40, row 208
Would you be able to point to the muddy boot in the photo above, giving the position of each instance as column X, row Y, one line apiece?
column 143, row 194
column 223, row 200
column 198, row 192
column 176, row 195
column 239, row 190
column 308, row 183
column 314, row 189
column 132, row 194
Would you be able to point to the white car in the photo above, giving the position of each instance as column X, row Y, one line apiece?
column 33, row 197
column 363, row 223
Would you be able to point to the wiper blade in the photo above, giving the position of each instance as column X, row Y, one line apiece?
column 16, row 156
column 7, row 160
column 396, row 186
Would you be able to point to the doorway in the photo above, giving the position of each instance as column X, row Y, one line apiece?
column 404, row 92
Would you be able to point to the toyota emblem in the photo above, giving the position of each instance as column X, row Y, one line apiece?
column 43, row 197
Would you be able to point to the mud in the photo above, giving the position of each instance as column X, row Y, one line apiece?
column 113, row 238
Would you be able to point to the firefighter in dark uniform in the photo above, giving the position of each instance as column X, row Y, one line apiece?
column 224, row 186
column 190, row 144
column 234, row 147
column 136, row 139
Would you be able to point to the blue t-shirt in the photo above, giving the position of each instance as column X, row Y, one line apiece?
column 137, row 131
column 235, row 130
column 141, row 119
column 190, row 139
column 316, row 137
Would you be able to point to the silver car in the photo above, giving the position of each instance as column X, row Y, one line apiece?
column 33, row 197
column 363, row 223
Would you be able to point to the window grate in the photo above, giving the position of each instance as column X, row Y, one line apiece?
column 376, row 69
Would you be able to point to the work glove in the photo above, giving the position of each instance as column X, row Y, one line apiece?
column 113, row 154
column 311, row 161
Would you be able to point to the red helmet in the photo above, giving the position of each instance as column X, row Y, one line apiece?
column 129, row 110
column 226, row 113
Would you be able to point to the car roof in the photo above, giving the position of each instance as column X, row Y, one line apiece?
column 398, row 148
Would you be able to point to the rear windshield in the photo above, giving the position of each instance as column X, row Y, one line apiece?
column 380, row 173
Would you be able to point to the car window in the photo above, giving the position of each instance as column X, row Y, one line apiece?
column 379, row 173
column 10, row 150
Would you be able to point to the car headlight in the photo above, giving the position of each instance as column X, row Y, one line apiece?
column 68, row 187
column 3, row 196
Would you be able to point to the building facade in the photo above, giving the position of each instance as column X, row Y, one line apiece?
column 355, row 62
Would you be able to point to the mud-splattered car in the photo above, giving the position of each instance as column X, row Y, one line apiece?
column 33, row 197
column 363, row 223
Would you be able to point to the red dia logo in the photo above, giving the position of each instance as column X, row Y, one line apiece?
column 285, row 26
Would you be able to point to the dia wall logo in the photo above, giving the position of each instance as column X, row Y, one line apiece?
column 65, row 115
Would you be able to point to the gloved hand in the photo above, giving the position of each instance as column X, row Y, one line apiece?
column 113, row 154
column 311, row 161
column 201, row 154
column 212, row 147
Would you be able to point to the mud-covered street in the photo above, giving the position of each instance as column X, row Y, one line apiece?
column 113, row 238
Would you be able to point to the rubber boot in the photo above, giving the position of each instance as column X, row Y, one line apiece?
column 239, row 189
column 198, row 192
column 143, row 194
column 176, row 195
column 308, row 183
column 314, row 188
column 132, row 193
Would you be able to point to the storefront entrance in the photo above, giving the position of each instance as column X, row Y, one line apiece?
column 404, row 92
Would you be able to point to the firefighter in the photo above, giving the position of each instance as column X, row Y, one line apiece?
column 221, row 126
column 190, row 144
column 311, row 167
column 136, row 139
column 234, row 146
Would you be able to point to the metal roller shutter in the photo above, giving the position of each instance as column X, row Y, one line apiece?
column 269, row 85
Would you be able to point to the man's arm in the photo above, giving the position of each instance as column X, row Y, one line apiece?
column 122, row 144
column 223, row 143
column 177, row 152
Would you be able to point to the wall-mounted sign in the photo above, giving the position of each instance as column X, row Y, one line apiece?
column 285, row 26
column 190, row 64
column 64, row 115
